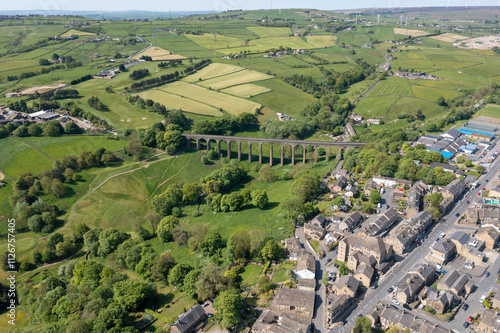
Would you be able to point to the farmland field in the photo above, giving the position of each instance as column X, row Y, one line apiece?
column 246, row 90
column 270, row 31
column 17, row 157
column 410, row 32
column 391, row 86
column 432, row 94
column 72, row 32
column 373, row 107
column 490, row 110
column 233, row 79
column 176, row 102
column 448, row 37
column 156, row 53
column 212, row 70
column 223, row 42
column 230, row 104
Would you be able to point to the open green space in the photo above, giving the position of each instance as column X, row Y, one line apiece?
column 391, row 86
column 249, row 274
column 246, row 90
column 17, row 157
column 176, row 102
column 490, row 110
column 375, row 107
column 245, row 76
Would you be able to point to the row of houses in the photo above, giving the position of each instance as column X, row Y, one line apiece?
column 409, row 231
column 471, row 248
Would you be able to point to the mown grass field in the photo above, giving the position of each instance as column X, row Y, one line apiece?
column 432, row 94
column 490, row 110
column 246, row 90
column 410, row 32
column 157, row 54
column 17, row 157
column 176, row 102
column 250, row 274
column 375, row 107
column 391, row 86
column 228, row 103
column 211, row 71
column 245, row 76
column 72, row 32
column 270, row 31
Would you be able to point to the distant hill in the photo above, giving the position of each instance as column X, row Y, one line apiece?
column 119, row 15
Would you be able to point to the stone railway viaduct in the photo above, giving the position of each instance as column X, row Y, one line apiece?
column 293, row 143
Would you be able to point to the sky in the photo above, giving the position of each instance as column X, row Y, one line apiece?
column 222, row 5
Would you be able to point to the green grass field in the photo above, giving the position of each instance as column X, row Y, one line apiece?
column 375, row 107
column 17, row 158
column 249, row 274
column 270, row 32
column 246, row 90
column 391, row 86
column 490, row 110
column 432, row 94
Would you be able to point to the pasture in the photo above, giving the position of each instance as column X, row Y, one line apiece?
column 175, row 102
column 490, row 110
column 270, row 31
column 375, row 107
column 432, row 94
column 230, row 104
column 246, row 90
column 17, row 157
column 157, row 54
column 245, row 76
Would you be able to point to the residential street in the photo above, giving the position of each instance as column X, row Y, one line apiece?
column 446, row 224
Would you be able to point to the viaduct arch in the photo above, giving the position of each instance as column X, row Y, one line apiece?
column 198, row 138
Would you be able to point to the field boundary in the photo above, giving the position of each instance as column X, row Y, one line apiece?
column 6, row 174
column 175, row 174
column 39, row 150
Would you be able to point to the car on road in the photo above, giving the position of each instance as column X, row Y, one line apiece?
column 442, row 235
column 466, row 324
column 343, row 322
column 457, row 214
column 470, row 319
column 394, row 285
column 328, row 260
column 468, row 276
column 395, row 302
column 486, row 274
column 390, row 290
column 481, row 300
column 468, row 202
column 374, row 286
column 465, row 307
column 407, row 307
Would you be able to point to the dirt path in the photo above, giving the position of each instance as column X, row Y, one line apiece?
column 4, row 174
column 125, row 172
column 51, row 264
column 166, row 180
column 39, row 150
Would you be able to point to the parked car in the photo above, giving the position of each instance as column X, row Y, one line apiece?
column 390, row 290
column 481, row 300
column 328, row 260
column 470, row 319
column 374, row 286
column 466, row 324
column 465, row 307
column 407, row 307
column 468, row 276
column 442, row 235
column 457, row 214
column 394, row 285
column 395, row 302
column 486, row 274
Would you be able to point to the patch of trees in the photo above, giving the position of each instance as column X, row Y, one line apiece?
column 147, row 104
column 227, row 126
column 146, row 58
column 19, row 105
column 95, row 103
column 139, row 73
column 31, row 47
column 170, row 63
column 76, row 111
column 43, row 70
column 58, row 94
column 82, row 79
column 167, row 138
column 286, row 129
column 53, row 128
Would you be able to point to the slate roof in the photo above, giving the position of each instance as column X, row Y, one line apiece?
column 190, row 318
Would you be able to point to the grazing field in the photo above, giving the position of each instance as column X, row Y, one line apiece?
column 391, row 86
column 443, row 84
column 176, row 102
column 410, row 32
column 230, row 104
column 157, row 54
column 17, row 157
column 56, row 147
column 375, row 107
column 270, row 31
column 483, row 70
column 432, row 94
column 222, row 42
column 448, row 37
column 245, row 76
column 246, row 90
column 211, row 71
column 490, row 110
column 412, row 60
column 73, row 32
column 410, row 105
